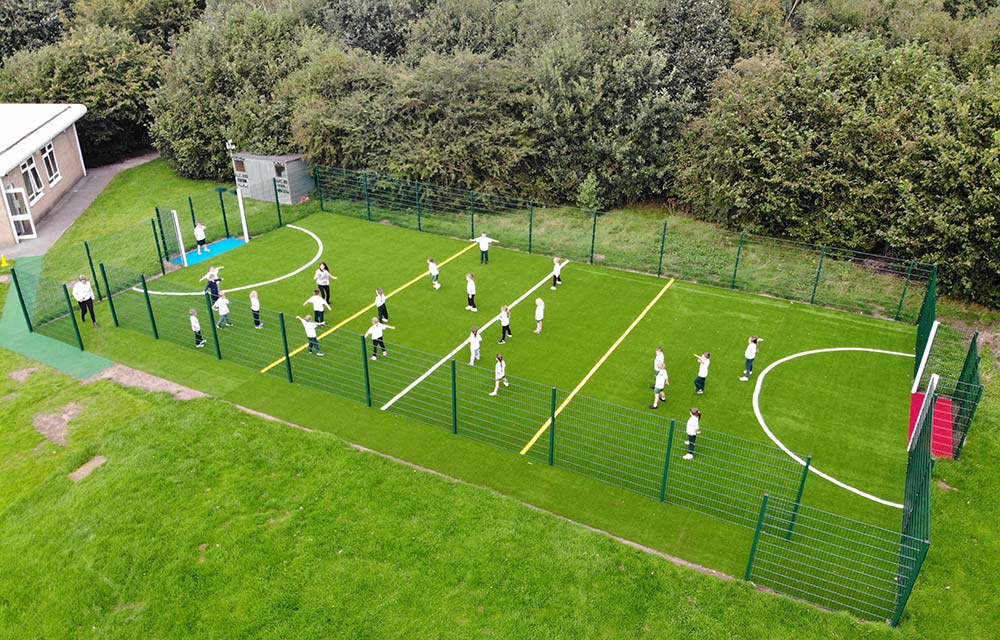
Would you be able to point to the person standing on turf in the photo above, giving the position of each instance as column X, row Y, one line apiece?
column 213, row 274
column 434, row 270
column 703, row 362
column 557, row 271
column 255, row 310
column 470, row 292
column 749, row 355
column 692, row 429
column 222, row 306
column 213, row 290
column 83, row 293
column 196, row 329
column 484, row 247
column 475, row 339
column 322, row 278
column 199, row 236
column 504, row 325
column 539, row 314
column 380, row 304
column 499, row 374
column 310, row 329
column 376, row 331
column 319, row 305
column 662, row 380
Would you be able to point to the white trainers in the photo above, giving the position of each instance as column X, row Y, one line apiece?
column 492, row 393
column 688, row 456
column 744, row 379
column 552, row 288
column 374, row 357
column 699, row 392
column 468, row 308
column 506, row 384
column 687, row 442
column 474, row 309
column 384, row 352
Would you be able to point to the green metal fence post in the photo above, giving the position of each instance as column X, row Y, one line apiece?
column 819, row 271
column 531, row 223
column 419, row 225
column 593, row 236
column 215, row 327
column 798, row 498
column 277, row 202
column 368, row 202
column 72, row 315
column 736, row 267
column 368, row 381
column 111, row 298
column 663, row 243
column 93, row 271
column 159, row 254
column 194, row 220
column 552, row 429
column 163, row 235
column 454, row 399
column 284, row 345
column 222, row 205
column 906, row 286
column 908, row 589
column 20, row 298
column 149, row 307
column 756, row 537
column 666, row 461
column 472, row 214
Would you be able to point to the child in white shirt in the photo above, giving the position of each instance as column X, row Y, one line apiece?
column 196, row 329
column 557, row 271
column 505, row 325
column 310, row 328
column 319, row 305
column 749, row 355
column 380, row 304
column 322, row 278
column 434, row 270
column 499, row 374
column 470, row 291
column 692, row 429
column 703, row 362
column 484, row 242
column 475, row 339
column 199, row 236
column 222, row 306
column 662, row 380
column 539, row 314
column 376, row 331
column 255, row 310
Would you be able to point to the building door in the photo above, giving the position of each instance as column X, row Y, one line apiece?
column 20, row 214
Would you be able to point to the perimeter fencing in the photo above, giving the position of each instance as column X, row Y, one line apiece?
column 821, row 275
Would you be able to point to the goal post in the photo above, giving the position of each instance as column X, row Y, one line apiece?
column 180, row 238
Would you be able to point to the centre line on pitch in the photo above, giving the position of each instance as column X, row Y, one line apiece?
column 586, row 378
column 340, row 324
column 448, row 357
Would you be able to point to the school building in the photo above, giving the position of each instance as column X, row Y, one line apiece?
column 40, row 162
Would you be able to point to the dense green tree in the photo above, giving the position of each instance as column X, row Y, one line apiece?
column 153, row 21
column 100, row 67
column 480, row 26
column 377, row 26
column 220, row 82
column 28, row 24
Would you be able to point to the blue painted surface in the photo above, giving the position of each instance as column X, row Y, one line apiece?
column 217, row 247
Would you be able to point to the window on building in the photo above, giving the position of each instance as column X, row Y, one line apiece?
column 239, row 165
column 51, row 166
column 32, row 181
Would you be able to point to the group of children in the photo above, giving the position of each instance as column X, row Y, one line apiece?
column 693, row 427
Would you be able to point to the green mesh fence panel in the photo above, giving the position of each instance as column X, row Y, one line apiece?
column 45, row 302
column 925, row 319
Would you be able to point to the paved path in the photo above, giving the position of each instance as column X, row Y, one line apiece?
column 71, row 205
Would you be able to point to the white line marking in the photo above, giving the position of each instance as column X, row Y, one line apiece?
column 774, row 439
column 926, row 354
column 319, row 254
column 448, row 357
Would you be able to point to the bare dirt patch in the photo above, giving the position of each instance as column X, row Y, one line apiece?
column 23, row 374
column 386, row 222
column 8, row 397
column 201, row 549
column 87, row 468
column 944, row 486
column 129, row 606
column 136, row 379
column 279, row 519
column 55, row 426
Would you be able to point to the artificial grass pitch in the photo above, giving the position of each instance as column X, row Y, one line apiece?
column 211, row 252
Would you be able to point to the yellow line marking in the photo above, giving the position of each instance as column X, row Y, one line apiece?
column 371, row 306
column 597, row 366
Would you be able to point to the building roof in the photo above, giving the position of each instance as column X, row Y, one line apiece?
column 253, row 156
column 26, row 128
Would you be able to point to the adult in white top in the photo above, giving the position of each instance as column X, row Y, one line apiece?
column 255, row 310
column 692, row 429
column 475, row 340
column 703, row 362
column 749, row 355
column 499, row 374
column 380, row 304
column 484, row 242
column 222, row 306
column 658, row 360
column 199, row 236
column 434, row 270
column 505, row 325
column 322, row 278
column 319, row 305
column 212, row 275
column 376, row 331
column 470, row 292
column 83, row 293
column 196, row 329
column 662, row 380
column 557, row 271
column 310, row 328
column 539, row 314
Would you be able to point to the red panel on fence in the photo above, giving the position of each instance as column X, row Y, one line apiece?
column 941, row 437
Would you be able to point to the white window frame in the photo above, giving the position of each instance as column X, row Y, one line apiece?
column 49, row 157
column 32, row 180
